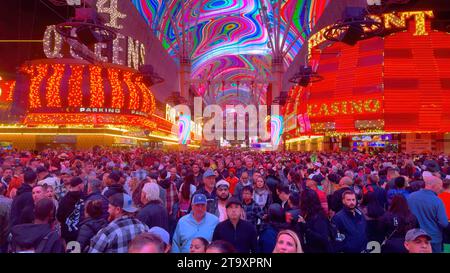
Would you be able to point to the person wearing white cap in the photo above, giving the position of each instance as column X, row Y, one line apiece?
column 223, row 194
column 123, row 227
column 153, row 213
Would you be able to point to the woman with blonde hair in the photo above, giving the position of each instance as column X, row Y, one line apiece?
column 287, row 242
column 262, row 194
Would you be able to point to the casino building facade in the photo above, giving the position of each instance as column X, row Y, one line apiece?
column 92, row 85
column 388, row 92
column 73, row 103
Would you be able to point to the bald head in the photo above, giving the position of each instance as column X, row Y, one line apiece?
column 345, row 181
column 433, row 183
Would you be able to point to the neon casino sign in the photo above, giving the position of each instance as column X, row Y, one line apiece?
column 125, row 50
column 344, row 108
column 391, row 21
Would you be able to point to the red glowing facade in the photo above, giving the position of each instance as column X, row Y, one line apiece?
column 397, row 83
column 6, row 91
column 67, row 92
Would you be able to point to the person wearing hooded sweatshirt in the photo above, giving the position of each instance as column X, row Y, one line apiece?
column 268, row 236
column 38, row 237
column 94, row 193
column 70, row 210
column 93, row 222
column 115, row 185
column 23, row 202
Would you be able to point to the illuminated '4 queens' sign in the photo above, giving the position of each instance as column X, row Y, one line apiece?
column 125, row 50
column 390, row 20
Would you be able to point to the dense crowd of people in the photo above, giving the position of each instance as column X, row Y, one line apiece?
column 215, row 201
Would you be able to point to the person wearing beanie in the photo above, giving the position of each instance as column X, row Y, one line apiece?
column 70, row 210
column 154, row 212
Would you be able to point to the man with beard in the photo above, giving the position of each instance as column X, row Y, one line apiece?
column 123, row 227
column 351, row 223
column 223, row 194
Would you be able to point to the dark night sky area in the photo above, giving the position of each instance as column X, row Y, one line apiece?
column 25, row 20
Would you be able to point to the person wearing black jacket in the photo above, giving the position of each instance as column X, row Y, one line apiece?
column 351, row 223
column 240, row 233
column 313, row 225
column 115, row 185
column 272, row 182
column 153, row 213
column 92, row 224
column 70, row 210
column 94, row 193
column 23, row 202
column 394, row 225
column 269, row 231
column 38, row 237
column 283, row 193
column 335, row 200
column 373, row 186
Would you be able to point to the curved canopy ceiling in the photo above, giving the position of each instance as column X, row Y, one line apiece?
column 229, row 41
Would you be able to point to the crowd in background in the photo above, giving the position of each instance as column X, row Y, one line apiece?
column 137, row 200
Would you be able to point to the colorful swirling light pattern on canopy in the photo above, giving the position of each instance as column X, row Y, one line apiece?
column 222, row 77
column 184, row 124
column 276, row 129
column 226, row 32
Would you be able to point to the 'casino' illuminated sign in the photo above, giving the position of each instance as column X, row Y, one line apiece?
column 125, row 50
column 351, row 107
column 391, row 21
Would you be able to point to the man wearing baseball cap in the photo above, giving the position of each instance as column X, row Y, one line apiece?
column 123, row 227
column 240, row 233
column 418, row 241
column 209, row 190
column 198, row 223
